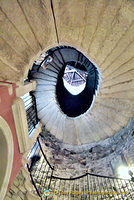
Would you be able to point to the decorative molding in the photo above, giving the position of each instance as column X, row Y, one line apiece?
column 7, row 142
column 24, row 140
column 27, row 87
column 10, row 88
column 21, row 126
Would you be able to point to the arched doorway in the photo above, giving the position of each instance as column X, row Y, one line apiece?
column 6, row 155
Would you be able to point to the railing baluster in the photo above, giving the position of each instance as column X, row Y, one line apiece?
column 39, row 171
column 132, row 187
column 59, row 189
column 110, row 186
column 129, row 192
column 42, row 177
column 50, row 181
column 123, row 188
column 53, row 188
column 103, row 188
column 96, row 189
column 106, row 183
column 31, row 111
column 69, row 195
column 37, row 154
column 46, row 178
column 116, row 189
column 87, row 186
column 64, row 189
column 34, row 184
column 79, row 190
column 99, row 188
column 74, row 190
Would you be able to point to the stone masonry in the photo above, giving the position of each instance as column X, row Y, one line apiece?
column 70, row 161
column 17, row 191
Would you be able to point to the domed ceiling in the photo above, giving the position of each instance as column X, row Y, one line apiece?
column 102, row 30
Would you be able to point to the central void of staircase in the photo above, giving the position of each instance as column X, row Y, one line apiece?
column 73, row 119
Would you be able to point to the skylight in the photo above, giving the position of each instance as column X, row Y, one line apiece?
column 74, row 80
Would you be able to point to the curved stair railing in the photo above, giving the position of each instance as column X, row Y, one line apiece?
column 86, row 186
column 31, row 111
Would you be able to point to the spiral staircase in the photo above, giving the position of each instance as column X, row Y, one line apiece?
column 76, row 119
column 102, row 32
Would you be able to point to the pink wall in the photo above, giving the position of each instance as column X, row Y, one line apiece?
column 6, row 101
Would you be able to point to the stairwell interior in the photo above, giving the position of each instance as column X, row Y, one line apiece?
column 70, row 145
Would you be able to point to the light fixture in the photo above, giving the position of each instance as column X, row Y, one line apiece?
column 126, row 172
column 74, row 79
column 131, row 174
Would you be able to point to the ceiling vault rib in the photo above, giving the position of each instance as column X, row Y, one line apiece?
column 56, row 30
column 29, row 24
column 116, row 45
column 16, row 28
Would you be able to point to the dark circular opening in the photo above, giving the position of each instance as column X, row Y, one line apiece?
column 74, row 79
column 51, row 68
column 75, row 105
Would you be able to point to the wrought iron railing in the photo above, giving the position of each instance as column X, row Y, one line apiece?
column 86, row 186
column 31, row 112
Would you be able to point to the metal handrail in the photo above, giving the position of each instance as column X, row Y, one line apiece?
column 78, row 177
column 31, row 111
column 44, row 180
column 44, row 154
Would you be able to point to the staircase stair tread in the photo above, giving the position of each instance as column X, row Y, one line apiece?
column 53, row 114
column 44, row 82
column 70, row 136
column 73, row 56
column 45, row 111
column 47, row 72
column 54, row 128
column 84, row 133
column 42, row 88
column 44, row 77
column 60, row 128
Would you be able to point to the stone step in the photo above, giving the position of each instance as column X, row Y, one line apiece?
column 120, row 119
column 45, row 94
column 85, row 62
column 56, row 122
column 43, row 104
column 42, row 88
column 45, row 110
column 93, row 125
column 83, row 130
column 123, row 107
column 58, row 59
column 103, row 125
column 70, row 136
column 52, row 69
column 73, row 56
column 60, row 128
column 43, row 76
column 43, row 97
column 44, row 82
column 108, row 123
column 56, row 64
column 45, row 114
column 53, row 114
column 48, row 72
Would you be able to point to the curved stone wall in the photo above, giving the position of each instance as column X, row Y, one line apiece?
column 96, row 157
